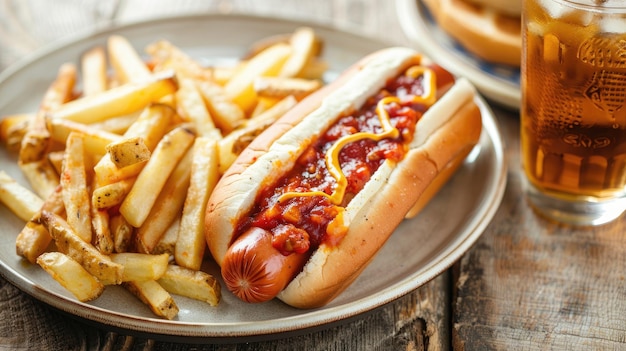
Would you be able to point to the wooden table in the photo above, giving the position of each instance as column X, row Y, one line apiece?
column 527, row 284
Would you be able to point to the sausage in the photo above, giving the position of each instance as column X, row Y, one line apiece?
column 254, row 270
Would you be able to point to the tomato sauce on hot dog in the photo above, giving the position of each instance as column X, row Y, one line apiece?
column 303, row 209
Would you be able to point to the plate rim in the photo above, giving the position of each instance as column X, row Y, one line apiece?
column 245, row 329
column 416, row 30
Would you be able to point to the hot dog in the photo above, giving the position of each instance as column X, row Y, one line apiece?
column 312, row 199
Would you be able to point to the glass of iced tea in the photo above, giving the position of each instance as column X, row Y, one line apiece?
column 573, row 113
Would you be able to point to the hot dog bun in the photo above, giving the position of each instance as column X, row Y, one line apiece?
column 489, row 29
column 511, row 8
column 444, row 136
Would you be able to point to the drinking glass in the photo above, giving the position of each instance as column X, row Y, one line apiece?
column 573, row 112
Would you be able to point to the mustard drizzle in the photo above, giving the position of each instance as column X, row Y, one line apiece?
column 332, row 155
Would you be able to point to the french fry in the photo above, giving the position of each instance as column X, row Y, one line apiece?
column 20, row 200
column 191, row 105
column 126, row 62
column 279, row 87
column 263, row 43
column 231, row 145
column 95, row 140
column 151, row 126
column 128, row 151
column 71, row 275
column 273, row 113
column 122, row 233
column 139, row 266
column 100, row 222
column 13, row 128
column 32, row 241
column 53, row 204
column 41, row 176
column 168, row 240
column 112, row 194
column 69, row 243
column 74, row 184
column 304, row 43
column 55, row 158
column 139, row 201
column 168, row 56
column 197, row 285
column 262, row 105
column 154, row 296
column 304, row 46
column 118, row 124
column 239, row 88
column 107, row 173
column 36, row 141
column 103, row 240
column 121, row 100
column 167, row 206
column 94, row 71
column 315, row 69
column 222, row 74
column 191, row 244
column 226, row 114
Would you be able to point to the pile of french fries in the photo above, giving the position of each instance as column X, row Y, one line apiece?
column 121, row 166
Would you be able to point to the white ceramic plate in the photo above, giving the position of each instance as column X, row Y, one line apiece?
column 500, row 83
column 426, row 245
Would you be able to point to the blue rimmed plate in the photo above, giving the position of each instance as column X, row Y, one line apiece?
column 500, row 83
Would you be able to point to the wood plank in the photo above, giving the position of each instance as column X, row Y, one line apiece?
column 533, row 284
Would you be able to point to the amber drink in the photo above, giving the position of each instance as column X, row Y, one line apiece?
column 573, row 113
